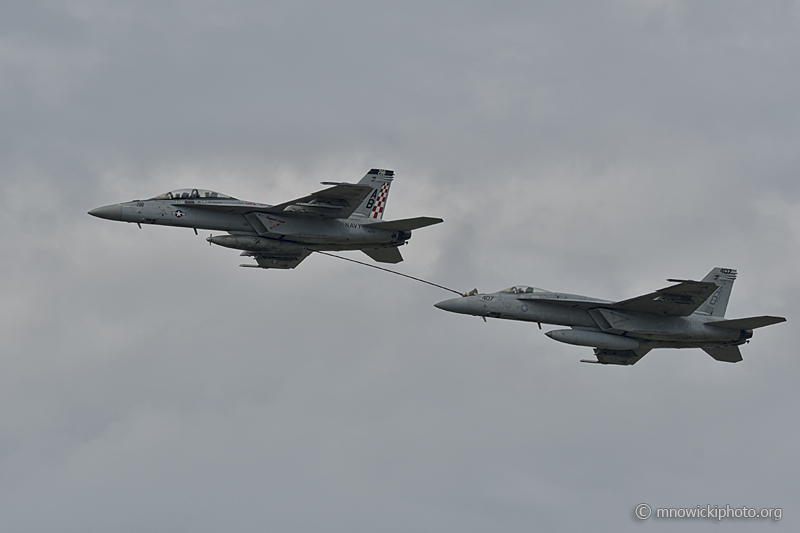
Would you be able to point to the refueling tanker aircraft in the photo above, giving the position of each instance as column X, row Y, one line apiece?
column 345, row 216
column 687, row 315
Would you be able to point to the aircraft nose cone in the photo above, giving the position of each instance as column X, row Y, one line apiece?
column 108, row 212
column 454, row 305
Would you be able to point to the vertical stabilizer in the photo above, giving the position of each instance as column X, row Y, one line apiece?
column 373, row 206
column 717, row 303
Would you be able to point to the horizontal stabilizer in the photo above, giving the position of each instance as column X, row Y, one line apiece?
column 728, row 354
column 384, row 255
column 752, row 322
column 406, row 224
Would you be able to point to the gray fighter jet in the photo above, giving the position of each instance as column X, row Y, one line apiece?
column 345, row 216
column 687, row 315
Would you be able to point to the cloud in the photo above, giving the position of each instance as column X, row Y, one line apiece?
column 50, row 74
column 146, row 382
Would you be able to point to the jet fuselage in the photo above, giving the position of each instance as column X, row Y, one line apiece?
column 313, row 233
column 343, row 216
column 589, row 314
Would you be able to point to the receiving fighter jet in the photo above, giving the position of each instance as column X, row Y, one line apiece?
column 687, row 315
column 345, row 216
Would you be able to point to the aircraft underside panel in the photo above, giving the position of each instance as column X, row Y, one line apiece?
column 315, row 231
column 621, row 322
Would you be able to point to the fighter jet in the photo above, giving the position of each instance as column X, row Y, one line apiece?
column 687, row 315
column 345, row 216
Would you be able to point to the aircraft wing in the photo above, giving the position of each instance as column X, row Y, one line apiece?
column 682, row 299
column 567, row 302
column 283, row 260
column 618, row 357
column 338, row 201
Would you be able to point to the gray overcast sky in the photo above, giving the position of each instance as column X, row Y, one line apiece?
column 149, row 384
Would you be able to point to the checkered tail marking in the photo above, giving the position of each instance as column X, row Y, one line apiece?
column 380, row 202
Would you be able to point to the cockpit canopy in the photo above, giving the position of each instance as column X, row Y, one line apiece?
column 188, row 194
column 523, row 289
